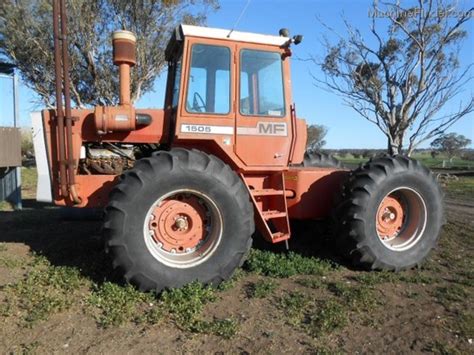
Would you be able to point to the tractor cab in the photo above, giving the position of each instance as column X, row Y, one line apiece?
column 233, row 89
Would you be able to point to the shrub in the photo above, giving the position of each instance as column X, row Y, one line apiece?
column 27, row 150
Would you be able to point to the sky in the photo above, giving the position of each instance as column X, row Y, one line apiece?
column 346, row 129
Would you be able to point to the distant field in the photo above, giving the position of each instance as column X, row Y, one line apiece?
column 425, row 158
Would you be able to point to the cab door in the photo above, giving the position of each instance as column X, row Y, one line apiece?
column 263, row 115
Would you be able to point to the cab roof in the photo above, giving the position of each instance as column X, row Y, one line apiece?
column 218, row 33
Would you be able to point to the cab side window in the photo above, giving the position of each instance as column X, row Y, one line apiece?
column 209, row 80
column 261, row 83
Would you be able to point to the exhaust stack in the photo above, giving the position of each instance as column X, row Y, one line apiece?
column 121, row 118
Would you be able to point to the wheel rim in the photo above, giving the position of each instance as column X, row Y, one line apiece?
column 183, row 228
column 401, row 219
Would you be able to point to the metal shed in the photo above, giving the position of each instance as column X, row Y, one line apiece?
column 10, row 144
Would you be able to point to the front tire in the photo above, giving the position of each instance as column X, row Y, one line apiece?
column 177, row 217
column 391, row 214
column 314, row 159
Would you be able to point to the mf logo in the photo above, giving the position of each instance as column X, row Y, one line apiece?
column 265, row 129
column 272, row 129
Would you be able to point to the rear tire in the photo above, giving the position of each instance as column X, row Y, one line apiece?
column 391, row 214
column 177, row 217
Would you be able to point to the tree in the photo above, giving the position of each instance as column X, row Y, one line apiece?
column 316, row 134
column 451, row 144
column 368, row 154
column 468, row 155
column 342, row 153
column 402, row 79
column 26, row 39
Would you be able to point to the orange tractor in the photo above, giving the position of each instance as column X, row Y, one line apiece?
column 185, row 187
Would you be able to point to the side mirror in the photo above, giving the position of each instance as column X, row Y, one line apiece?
column 297, row 39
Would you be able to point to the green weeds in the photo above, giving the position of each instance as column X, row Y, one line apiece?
column 451, row 294
column 285, row 265
column 466, row 325
column 315, row 317
column 311, row 283
column 361, row 298
column 185, row 306
column 293, row 304
column 373, row 278
column 45, row 290
column 327, row 317
column 261, row 288
column 116, row 304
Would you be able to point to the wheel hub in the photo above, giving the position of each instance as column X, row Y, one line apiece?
column 179, row 224
column 390, row 217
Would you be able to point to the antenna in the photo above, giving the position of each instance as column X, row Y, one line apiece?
column 240, row 17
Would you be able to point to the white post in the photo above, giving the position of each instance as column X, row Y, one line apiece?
column 16, row 123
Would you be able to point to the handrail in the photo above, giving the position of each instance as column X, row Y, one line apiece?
column 59, row 102
column 293, row 132
column 66, row 154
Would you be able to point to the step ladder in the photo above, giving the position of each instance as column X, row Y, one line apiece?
column 270, row 207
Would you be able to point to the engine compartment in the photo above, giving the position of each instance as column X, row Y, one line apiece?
column 108, row 158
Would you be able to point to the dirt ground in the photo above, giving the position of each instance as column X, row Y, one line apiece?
column 336, row 309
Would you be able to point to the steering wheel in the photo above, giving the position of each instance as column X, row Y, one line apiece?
column 196, row 107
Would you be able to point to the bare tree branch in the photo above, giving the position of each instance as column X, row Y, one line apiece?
column 404, row 82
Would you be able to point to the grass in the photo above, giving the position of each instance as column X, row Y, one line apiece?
column 28, row 187
column 113, row 304
column 425, row 158
column 293, row 304
column 466, row 325
column 11, row 262
column 314, row 304
column 46, row 290
column 315, row 283
column 328, row 316
column 261, row 288
column 285, row 265
column 463, row 187
column 29, row 177
column 373, row 278
column 230, row 283
column 447, row 295
column 315, row 317
column 5, row 206
column 360, row 297
column 441, row 348
column 185, row 306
